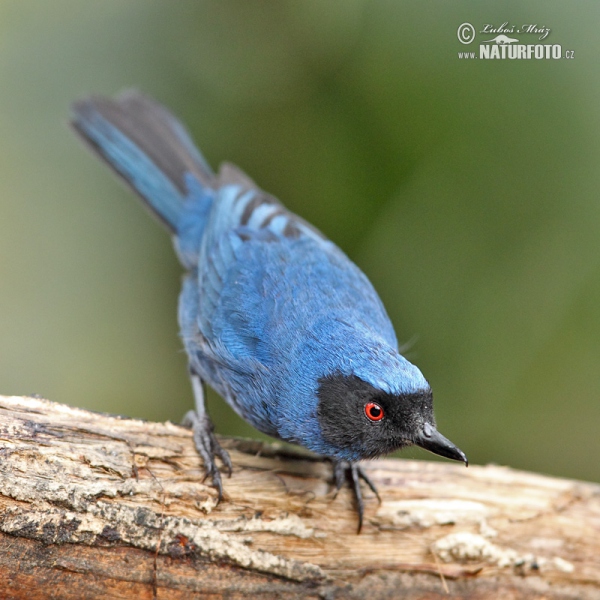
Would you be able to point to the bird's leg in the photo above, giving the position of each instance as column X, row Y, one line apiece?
column 204, row 437
column 353, row 473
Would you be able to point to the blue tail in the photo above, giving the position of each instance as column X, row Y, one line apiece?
column 147, row 147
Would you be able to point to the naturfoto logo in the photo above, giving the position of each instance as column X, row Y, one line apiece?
column 505, row 44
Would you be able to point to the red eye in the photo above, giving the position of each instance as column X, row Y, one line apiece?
column 373, row 411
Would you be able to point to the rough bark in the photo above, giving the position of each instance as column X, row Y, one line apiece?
column 97, row 506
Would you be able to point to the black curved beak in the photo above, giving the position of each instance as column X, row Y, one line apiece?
column 431, row 439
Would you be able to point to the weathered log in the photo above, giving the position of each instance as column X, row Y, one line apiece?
column 98, row 506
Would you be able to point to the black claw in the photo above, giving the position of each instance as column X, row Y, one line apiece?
column 217, row 483
column 368, row 481
column 353, row 473
column 225, row 459
column 360, row 505
column 208, row 447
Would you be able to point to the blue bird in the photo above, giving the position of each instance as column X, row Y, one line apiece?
column 273, row 315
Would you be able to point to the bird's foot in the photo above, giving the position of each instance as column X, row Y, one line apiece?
column 208, row 447
column 350, row 471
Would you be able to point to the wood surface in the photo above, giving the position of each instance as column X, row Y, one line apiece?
column 98, row 506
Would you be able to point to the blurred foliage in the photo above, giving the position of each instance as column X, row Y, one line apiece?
column 467, row 190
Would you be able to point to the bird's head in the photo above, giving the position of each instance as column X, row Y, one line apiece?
column 363, row 420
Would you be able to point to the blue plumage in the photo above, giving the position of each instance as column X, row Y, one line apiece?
column 273, row 315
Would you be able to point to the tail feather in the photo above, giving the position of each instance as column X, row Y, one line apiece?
column 147, row 147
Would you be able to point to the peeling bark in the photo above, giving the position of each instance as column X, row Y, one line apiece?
column 97, row 506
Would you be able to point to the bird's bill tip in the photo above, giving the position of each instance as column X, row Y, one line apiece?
column 433, row 441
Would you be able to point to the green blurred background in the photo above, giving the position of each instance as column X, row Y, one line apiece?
column 467, row 190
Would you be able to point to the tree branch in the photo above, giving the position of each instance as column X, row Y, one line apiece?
column 97, row 506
